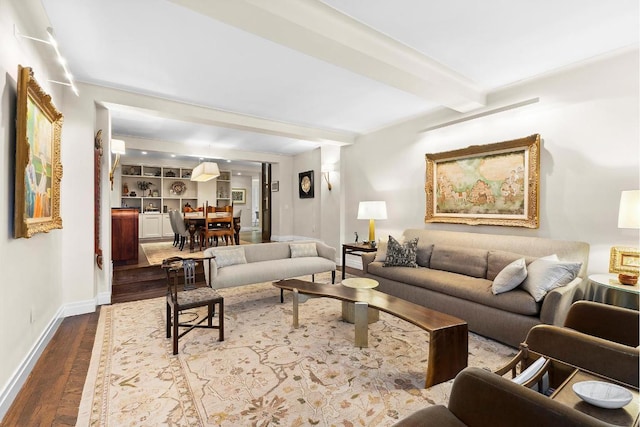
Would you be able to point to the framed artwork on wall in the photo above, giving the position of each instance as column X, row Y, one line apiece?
column 494, row 184
column 305, row 185
column 239, row 196
column 38, row 166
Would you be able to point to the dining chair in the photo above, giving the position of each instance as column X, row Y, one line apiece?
column 218, row 224
column 176, row 235
column 181, row 228
column 181, row 273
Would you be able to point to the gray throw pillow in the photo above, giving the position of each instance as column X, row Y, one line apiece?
column 510, row 277
column 543, row 275
column 228, row 257
column 401, row 255
column 301, row 250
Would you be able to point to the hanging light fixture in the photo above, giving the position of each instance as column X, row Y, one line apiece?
column 205, row 171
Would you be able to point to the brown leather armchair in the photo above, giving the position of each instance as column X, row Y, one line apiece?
column 596, row 337
column 481, row 398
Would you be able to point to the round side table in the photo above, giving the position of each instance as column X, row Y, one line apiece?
column 607, row 289
column 348, row 308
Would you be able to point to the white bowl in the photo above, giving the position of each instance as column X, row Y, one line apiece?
column 603, row 395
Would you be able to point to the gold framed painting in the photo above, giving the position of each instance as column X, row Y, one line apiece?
column 624, row 260
column 493, row 184
column 239, row 196
column 38, row 166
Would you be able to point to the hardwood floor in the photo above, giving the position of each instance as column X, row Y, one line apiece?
column 52, row 393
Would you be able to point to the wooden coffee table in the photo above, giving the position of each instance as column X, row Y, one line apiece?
column 448, row 335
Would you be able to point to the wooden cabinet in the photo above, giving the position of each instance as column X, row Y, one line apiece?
column 124, row 236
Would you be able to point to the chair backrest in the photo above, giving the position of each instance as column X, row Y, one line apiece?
column 608, row 358
column 608, row 322
column 178, row 219
column 172, row 221
column 481, row 398
column 178, row 268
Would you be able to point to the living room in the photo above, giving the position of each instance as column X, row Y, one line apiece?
column 586, row 112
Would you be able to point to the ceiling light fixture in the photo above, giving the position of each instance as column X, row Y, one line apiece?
column 53, row 43
column 205, row 171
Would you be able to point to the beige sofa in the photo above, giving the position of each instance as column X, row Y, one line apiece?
column 264, row 262
column 455, row 274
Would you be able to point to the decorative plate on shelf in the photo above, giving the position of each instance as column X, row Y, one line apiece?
column 178, row 188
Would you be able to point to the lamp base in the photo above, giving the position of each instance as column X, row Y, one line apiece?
column 627, row 279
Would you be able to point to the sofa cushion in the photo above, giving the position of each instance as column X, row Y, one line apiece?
column 300, row 250
column 459, row 286
column 401, row 254
column 544, row 275
column 267, row 271
column 230, row 257
column 510, row 277
column 457, row 259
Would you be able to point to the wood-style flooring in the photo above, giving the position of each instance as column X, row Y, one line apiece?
column 52, row 393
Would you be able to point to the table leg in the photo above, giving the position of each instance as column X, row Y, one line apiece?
column 344, row 256
column 448, row 354
column 361, row 324
column 296, row 303
column 192, row 233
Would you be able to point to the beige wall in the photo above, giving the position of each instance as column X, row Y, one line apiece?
column 588, row 119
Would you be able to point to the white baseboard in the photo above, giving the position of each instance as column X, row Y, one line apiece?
column 21, row 374
column 103, row 298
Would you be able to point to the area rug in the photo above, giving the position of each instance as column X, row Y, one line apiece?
column 158, row 251
column 265, row 372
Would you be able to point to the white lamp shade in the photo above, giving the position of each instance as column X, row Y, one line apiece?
column 372, row 210
column 205, row 171
column 117, row 146
column 629, row 213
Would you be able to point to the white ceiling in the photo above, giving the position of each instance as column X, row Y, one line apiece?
column 336, row 68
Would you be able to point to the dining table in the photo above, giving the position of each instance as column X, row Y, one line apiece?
column 195, row 221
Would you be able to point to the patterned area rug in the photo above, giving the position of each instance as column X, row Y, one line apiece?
column 265, row 372
column 158, row 251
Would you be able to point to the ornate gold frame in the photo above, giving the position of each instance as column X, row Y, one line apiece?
column 529, row 147
column 624, row 260
column 33, row 100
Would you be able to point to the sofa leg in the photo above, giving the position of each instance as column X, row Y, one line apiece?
column 333, row 277
column 281, row 295
column 313, row 277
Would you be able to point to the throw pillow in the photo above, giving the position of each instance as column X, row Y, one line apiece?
column 543, row 275
column 381, row 253
column 230, row 257
column 401, row 255
column 510, row 277
column 299, row 250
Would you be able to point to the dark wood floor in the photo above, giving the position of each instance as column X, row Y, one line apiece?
column 52, row 393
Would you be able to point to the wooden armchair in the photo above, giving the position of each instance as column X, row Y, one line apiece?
column 184, row 293
column 218, row 224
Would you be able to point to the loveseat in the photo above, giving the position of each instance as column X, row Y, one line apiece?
column 263, row 262
column 455, row 272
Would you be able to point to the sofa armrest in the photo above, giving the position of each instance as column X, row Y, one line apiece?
column 326, row 251
column 602, row 320
column 210, row 278
column 556, row 304
column 367, row 258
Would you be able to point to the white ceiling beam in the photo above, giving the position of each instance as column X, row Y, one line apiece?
column 169, row 109
column 316, row 29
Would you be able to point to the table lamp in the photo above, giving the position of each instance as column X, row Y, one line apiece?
column 626, row 261
column 372, row 211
